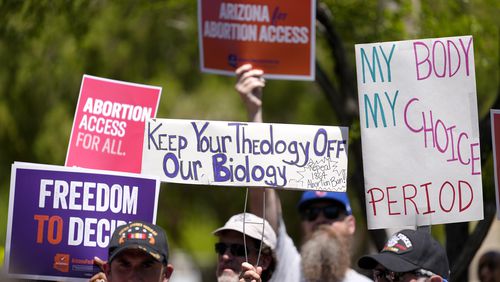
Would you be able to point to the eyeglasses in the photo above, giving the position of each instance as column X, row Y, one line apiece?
column 237, row 250
column 311, row 213
column 391, row 276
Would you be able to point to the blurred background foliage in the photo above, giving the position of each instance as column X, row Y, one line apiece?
column 47, row 45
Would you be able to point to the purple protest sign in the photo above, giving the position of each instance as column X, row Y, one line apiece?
column 60, row 218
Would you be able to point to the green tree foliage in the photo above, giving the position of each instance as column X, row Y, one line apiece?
column 46, row 46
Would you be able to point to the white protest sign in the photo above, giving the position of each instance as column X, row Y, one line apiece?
column 419, row 129
column 301, row 157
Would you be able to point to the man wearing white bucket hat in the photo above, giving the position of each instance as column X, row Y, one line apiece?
column 245, row 249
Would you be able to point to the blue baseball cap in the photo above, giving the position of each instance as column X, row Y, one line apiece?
column 309, row 197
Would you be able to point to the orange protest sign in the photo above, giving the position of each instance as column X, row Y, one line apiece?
column 273, row 35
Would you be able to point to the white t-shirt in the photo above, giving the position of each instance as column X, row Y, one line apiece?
column 288, row 267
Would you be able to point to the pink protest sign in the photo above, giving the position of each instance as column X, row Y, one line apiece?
column 109, row 123
column 495, row 135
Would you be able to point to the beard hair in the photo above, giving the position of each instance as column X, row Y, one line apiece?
column 325, row 256
column 227, row 277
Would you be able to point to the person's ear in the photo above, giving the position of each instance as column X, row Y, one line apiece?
column 351, row 224
column 167, row 272
column 265, row 261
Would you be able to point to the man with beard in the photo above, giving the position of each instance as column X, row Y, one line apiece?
column 329, row 248
column 316, row 208
column 245, row 249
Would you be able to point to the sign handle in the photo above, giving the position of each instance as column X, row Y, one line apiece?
column 251, row 222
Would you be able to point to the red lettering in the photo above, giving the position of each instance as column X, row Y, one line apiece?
column 460, row 204
column 413, row 199
column 420, row 201
column 409, row 198
column 389, row 202
column 373, row 201
column 447, row 183
column 426, row 186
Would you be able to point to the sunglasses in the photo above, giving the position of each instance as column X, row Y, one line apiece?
column 311, row 213
column 237, row 250
column 391, row 276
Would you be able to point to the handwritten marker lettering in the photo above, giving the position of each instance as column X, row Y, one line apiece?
column 455, row 58
column 419, row 132
column 236, row 153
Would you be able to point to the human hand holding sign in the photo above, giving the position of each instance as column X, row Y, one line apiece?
column 249, row 85
column 249, row 273
column 99, row 277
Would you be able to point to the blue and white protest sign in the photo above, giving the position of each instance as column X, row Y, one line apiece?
column 303, row 157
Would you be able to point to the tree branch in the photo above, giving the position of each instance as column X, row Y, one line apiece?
column 345, row 104
column 461, row 265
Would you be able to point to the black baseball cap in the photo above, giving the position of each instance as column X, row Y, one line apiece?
column 409, row 250
column 139, row 235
